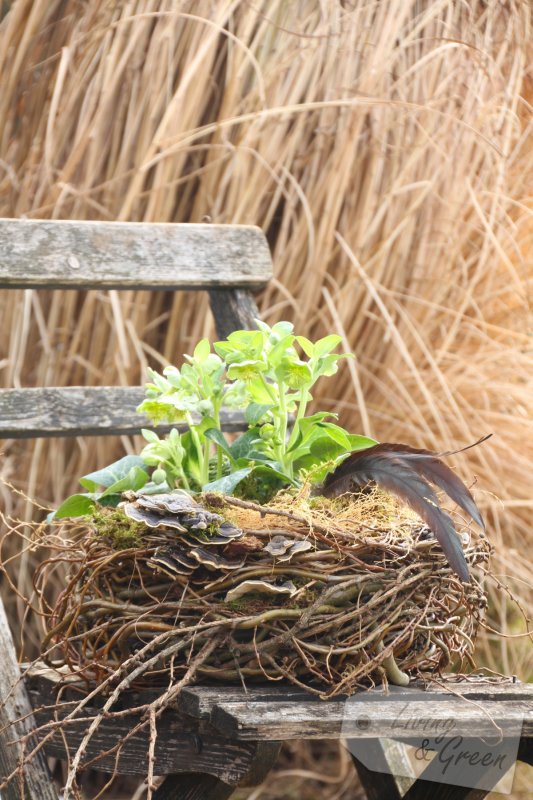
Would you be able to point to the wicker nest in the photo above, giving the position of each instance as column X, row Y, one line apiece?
column 330, row 595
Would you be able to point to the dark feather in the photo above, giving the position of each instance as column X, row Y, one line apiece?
column 429, row 466
column 400, row 470
column 463, row 449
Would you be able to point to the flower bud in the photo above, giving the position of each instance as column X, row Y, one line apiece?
column 159, row 475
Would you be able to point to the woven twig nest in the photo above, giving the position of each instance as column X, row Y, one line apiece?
column 330, row 595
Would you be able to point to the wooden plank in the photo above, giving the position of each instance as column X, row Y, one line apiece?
column 421, row 790
column 16, row 720
column 487, row 775
column 380, row 779
column 233, row 309
column 199, row 701
column 525, row 751
column 192, row 786
column 83, row 411
column 71, row 254
column 254, row 721
column 181, row 746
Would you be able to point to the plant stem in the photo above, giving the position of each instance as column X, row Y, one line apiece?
column 184, row 481
column 199, row 449
column 216, row 415
column 283, row 430
column 205, row 465
column 268, row 387
column 302, row 406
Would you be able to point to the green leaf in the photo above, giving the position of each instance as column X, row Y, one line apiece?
column 298, row 452
column 255, row 411
column 308, row 428
column 268, row 471
column 190, row 463
column 132, row 481
column 161, row 383
column 150, row 436
column 327, row 365
column 316, row 471
column 257, row 390
column 306, row 345
column 205, row 424
column 327, row 344
column 336, row 433
column 110, row 500
column 283, row 351
column 156, row 488
column 218, row 437
column 77, row 505
column 228, row 483
column 262, row 484
column 202, row 350
column 223, row 349
column 111, row 474
column 214, row 367
column 326, row 448
column 173, row 376
column 242, row 446
column 360, row 442
column 283, row 328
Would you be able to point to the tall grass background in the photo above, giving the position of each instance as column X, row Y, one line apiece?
column 384, row 148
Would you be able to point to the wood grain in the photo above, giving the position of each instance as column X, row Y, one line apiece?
column 181, row 746
column 220, row 730
column 199, row 701
column 380, row 780
column 83, row 411
column 69, row 254
column 429, row 783
column 233, row 309
column 255, row 721
column 16, row 720
column 193, row 787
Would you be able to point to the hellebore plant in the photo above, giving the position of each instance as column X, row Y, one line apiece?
column 268, row 374
column 262, row 373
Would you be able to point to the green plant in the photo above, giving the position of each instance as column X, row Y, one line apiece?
column 268, row 373
column 262, row 373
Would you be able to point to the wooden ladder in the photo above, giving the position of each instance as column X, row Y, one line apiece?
column 228, row 261
column 218, row 737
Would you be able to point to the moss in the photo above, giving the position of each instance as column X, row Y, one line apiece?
column 257, row 489
column 217, row 505
column 237, row 605
column 330, row 505
column 113, row 525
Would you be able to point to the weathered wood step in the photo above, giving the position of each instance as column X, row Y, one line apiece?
column 84, row 411
column 254, row 721
column 199, row 701
column 72, row 254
